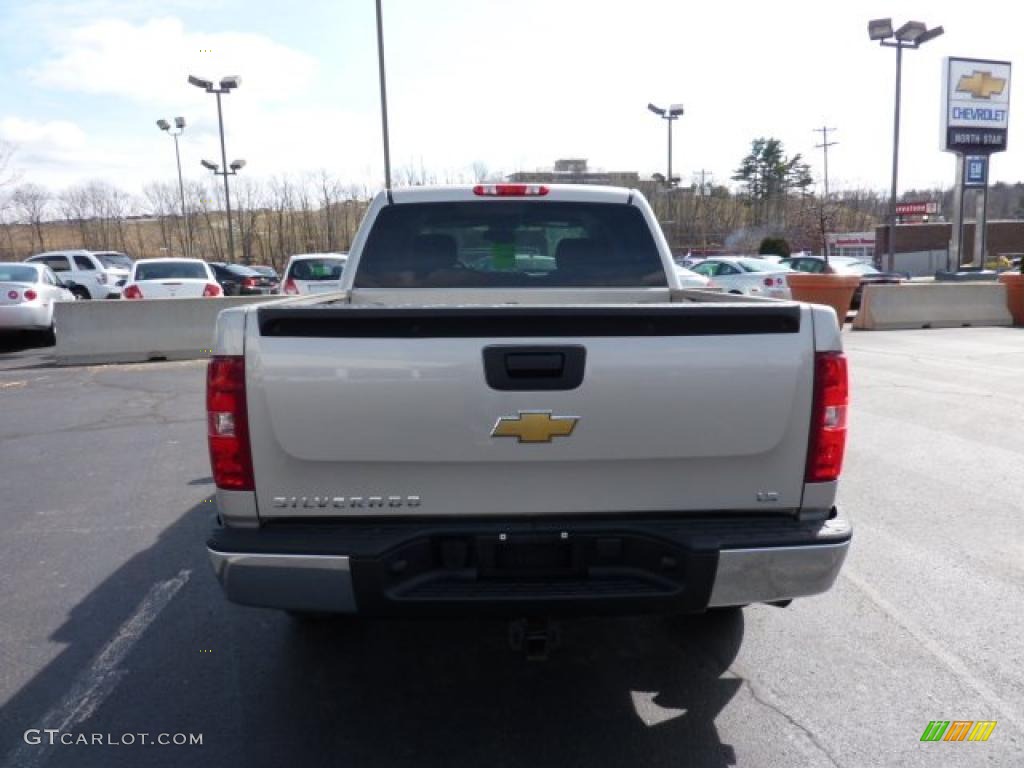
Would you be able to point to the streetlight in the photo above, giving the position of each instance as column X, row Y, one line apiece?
column 179, row 123
column 231, row 170
column 227, row 84
column 911, row 35
column 672, row 113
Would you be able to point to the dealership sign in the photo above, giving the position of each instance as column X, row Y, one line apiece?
column 975, row 104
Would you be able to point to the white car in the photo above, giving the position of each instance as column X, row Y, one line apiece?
column 27, row 295
column 313, row 273
column 746, row 275
column 171, row 279
column 88, row 274
column 690, row 279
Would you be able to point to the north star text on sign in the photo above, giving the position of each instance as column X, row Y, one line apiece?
column 979, row 113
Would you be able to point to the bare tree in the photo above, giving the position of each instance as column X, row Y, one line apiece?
column 32, row 202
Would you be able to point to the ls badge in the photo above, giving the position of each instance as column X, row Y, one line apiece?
column 534, row 426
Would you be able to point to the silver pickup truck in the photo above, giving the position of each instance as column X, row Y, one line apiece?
column 512, row 407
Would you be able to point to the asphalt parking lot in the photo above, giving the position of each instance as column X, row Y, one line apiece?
column 113, row 622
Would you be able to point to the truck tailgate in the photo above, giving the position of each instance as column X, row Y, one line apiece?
column 367, row 411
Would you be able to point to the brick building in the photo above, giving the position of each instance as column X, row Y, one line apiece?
column 921, row 249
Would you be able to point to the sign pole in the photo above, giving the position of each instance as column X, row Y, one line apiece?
column 956, row 245
column 980, row 226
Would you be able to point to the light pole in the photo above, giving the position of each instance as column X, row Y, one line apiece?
column 179, row 123
column 227, row 84
column 232, row 170
column 669, row 115
column 911, row 35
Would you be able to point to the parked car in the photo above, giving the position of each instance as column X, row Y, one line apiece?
column 239, row 280
column 88, row 274
column 313, row 273
column 746, row 275
column 171, row 279
column 690, row 279
column 27, row 295
column 846, row 265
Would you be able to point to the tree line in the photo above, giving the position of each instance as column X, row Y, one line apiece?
column 774, row 196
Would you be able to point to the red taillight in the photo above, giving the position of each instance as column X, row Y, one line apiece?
column 769, row 281
column 289, row 286
column 12, row 295
column 132, row 292
column 510, row 190
column 227, row 423
column 250, row 282
column 211, row 290
column 31, row 295
column 828, row 418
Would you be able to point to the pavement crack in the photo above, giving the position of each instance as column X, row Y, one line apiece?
column 762, row 699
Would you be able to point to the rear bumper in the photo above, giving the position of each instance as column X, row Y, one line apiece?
column 24, row 317
column 517, row 568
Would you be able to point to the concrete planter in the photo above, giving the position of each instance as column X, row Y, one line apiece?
column 834, row 291
column 1014, row 282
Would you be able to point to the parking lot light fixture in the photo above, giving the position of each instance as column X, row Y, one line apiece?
column 179, row 124
column 227, row 84
column 673, row 112
column 211, row 166
column 880, row 29
column 911, row 31
column 911, row 35
column 237, row 165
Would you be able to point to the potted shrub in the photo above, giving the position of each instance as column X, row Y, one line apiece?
column 1014, row 282
column 824, row 287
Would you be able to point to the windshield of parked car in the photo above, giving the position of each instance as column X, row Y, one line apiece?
column 18, row 273
column 169, row 270
column 117, row 260
column 241, row 271
column 510, row 243
column 760, row 265
column 326, row 268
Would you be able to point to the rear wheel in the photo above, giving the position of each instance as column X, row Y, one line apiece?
column 81, row 294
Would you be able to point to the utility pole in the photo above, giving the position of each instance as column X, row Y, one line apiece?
column 705, row 182
column 825, row 144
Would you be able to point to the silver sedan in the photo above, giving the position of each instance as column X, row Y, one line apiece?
column 27, row 295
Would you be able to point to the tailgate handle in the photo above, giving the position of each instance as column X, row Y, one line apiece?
column 523, row 365
column 548, row 367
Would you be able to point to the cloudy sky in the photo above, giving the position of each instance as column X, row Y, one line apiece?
column 512, row 84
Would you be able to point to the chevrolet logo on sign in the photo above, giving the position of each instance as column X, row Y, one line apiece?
column 981, row 85
column 534, row 426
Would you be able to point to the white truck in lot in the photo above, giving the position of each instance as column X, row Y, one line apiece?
column 512, row 407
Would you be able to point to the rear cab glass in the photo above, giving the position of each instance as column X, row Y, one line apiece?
column 510, row 243
column 171, row 270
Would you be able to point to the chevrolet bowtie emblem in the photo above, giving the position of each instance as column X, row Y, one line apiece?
column 534, row 426
column 981, row 85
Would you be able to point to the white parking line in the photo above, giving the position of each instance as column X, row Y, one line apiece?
column 95, row 684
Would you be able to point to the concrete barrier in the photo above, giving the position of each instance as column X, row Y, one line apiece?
column 139, row 330
column 932, row 305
